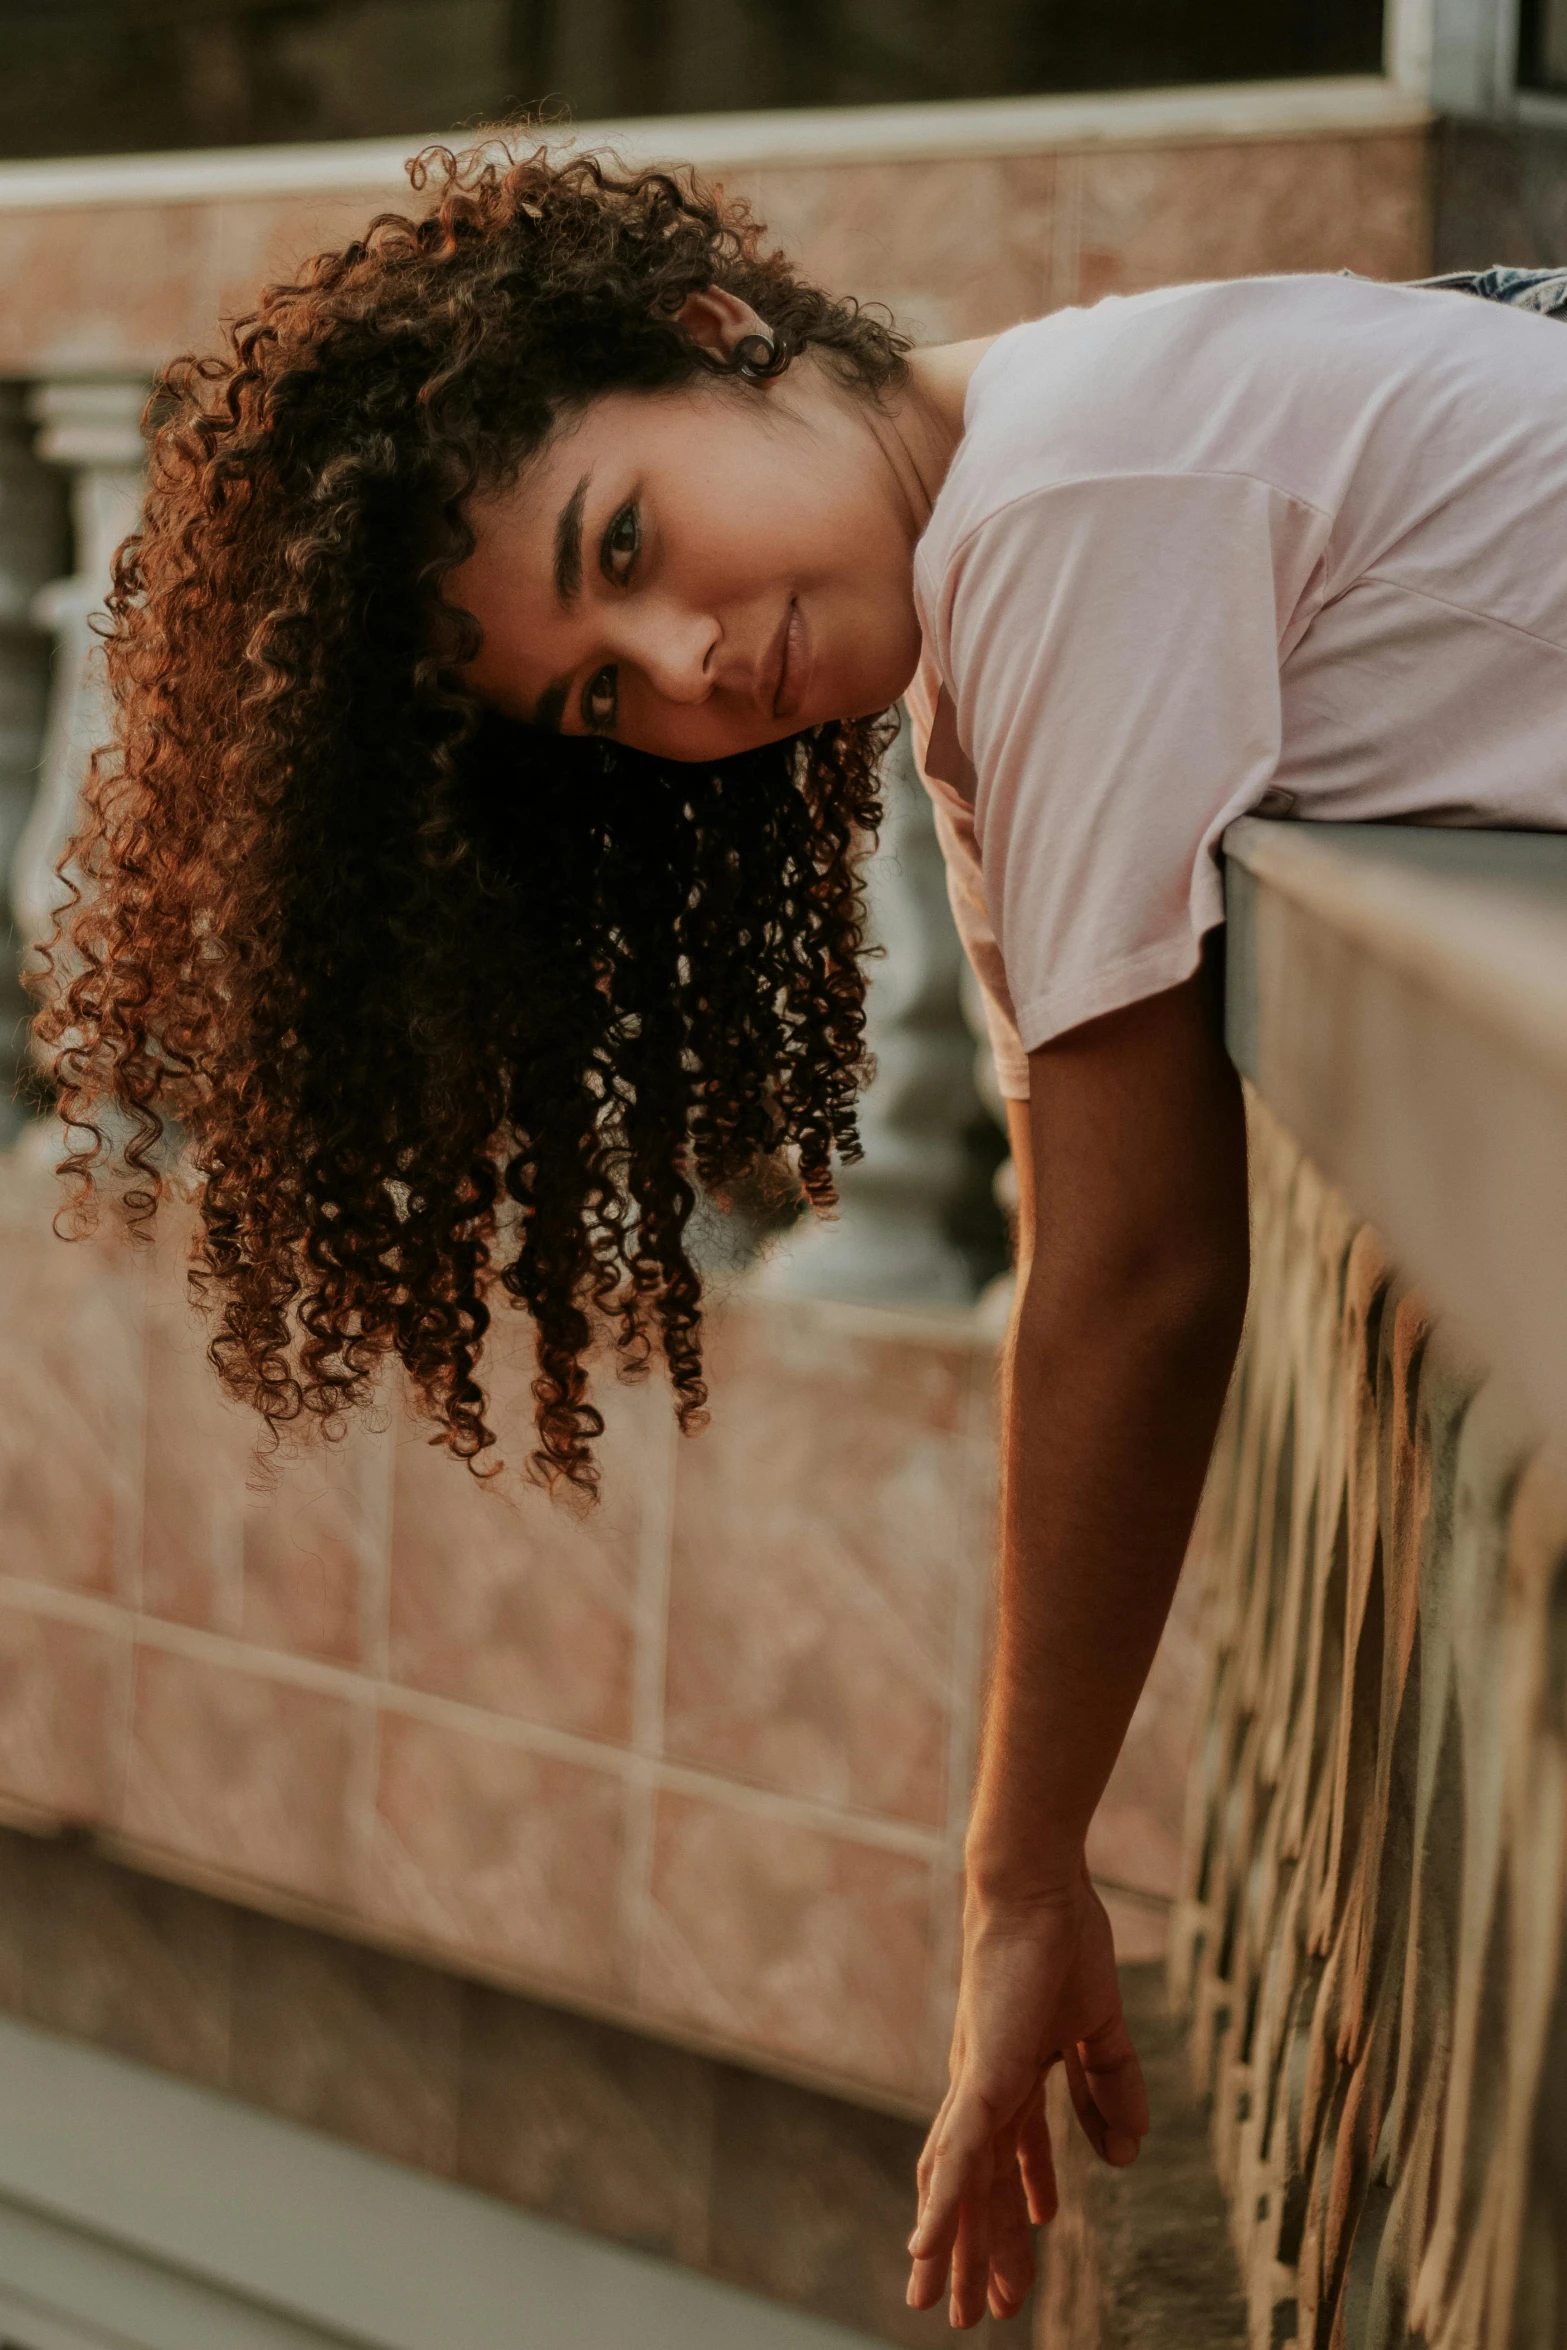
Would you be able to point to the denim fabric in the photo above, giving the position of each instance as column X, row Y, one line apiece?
column 1544, row 290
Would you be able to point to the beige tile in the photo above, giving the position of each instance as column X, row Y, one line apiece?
column 311, row 1543
column 347, row 2039
column 811, row 2195
column 70, row 1383
column 62, row 1715
column 820, row 1550
column 813, row 2199
column 1141, row 1928
column 200, row 1455
column 1156, row 216
column 604, row 2129
column 513, row 1601
column 954, row 247
column 242, row 1774
column 111, row 1956
column 265, row 240
column 116, row 286
column 497, row 1856
column 789, row 1939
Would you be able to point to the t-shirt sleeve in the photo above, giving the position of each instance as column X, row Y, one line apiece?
column 1112, row 647
column 954, row 821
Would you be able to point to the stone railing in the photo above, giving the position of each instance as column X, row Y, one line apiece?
column 1372, row 1939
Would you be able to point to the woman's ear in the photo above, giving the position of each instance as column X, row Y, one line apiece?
column 717, row 321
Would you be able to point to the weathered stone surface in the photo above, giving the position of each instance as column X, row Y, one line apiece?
column 1140, row 2259
column 1372, row 1940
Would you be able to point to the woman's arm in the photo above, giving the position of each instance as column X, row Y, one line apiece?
column 1132, row 1287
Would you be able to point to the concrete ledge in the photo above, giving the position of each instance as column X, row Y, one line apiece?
column 1141, row 2259
column 836, row 134
column 127, row 2197
column 1399, row 999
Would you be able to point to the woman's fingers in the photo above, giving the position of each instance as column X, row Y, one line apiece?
column 1108, row 2095
column 971, row 2251
column 1036, row 2163
column 935, row 2234
column 1011, row 2245
column 928, row 2281
column 924, row 2169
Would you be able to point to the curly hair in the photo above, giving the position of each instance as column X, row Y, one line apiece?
column 440, row 1005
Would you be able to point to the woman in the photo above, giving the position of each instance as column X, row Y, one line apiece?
column 502, row 673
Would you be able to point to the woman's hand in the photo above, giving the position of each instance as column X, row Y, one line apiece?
column 1038, row 1984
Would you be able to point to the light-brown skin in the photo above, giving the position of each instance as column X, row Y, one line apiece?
column 784, row 515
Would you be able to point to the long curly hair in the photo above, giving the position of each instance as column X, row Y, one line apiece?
column 437, row 1005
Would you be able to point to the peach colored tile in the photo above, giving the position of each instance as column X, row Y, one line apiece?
column 1152, row 216
column 508, row 1599
column 310, row 1540
column 70, row 1383
column 1141, row 1928
column 111, row 1955
column 114, row 286
column 265, row 240
column 820, row 1548
column 346, row 2039
column 62, row 1715
column 200, row 1451
column 954, row 247
column 240, row 1773
column 497, row 1856
column 789, row 1939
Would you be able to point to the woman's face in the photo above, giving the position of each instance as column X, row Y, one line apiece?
column 697, row 572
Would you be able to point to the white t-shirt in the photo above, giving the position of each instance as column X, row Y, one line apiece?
column 1291, row 544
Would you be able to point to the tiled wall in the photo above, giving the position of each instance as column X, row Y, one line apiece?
column 958, row 245
column 803, row 2197
column 697, row 1760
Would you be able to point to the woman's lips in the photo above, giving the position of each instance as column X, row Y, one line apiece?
column 794, row 669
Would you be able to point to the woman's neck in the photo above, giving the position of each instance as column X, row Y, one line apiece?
column 926, row 419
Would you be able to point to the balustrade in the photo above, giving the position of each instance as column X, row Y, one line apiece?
column 32, row 551
column 1371, row 1943
column 890, row 1242
column 90, row 428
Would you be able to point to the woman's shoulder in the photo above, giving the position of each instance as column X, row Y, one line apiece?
column 1272, row 377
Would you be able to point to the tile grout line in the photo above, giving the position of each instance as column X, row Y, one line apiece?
column 134, row 1538
column 655, row 1535
column 1066, row 232
column 260, row 1896
column 969, row 1612
column 199, row 1646
column 377, row 1474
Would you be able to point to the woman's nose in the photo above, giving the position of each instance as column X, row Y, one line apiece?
column 675, row 652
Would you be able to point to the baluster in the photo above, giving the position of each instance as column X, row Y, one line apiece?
column 32, row 550
column 995, row 1299
column 889, row 1243
column 91, row 428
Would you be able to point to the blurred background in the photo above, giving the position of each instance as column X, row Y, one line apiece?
column 427, row 1918
column 114, row 76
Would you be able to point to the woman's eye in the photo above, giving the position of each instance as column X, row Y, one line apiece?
column 621, row 542
column 600, row 698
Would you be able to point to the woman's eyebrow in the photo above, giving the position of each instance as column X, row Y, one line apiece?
column 551, row 706
column 568, row 543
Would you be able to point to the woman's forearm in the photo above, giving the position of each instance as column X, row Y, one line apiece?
column 1131, row 1162
column 1110, row 1402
